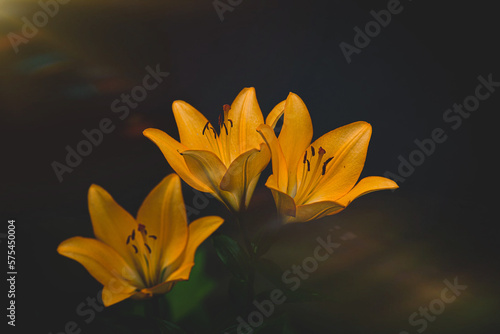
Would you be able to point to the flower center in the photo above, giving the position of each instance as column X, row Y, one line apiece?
column 138, row 241
column 311, row 175
column 132, row 240
column 219, row 142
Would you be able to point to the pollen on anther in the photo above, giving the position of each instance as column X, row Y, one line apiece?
column 153, row 237
column 305, row 158
column 135, row 248
column 149, row 249
column 128, row 239
column 230, row 121
column 312, row 151
column 308, row 165
column 133, row 235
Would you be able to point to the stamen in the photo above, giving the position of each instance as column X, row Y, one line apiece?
column 324, row 165
column 215, row 132
column 204, row 128
column 135, row 248
column 305, row 158
column 149, row 249
column 230, row 122
column 153, row 236
column 310, row 180
column 225, row 128
column 128, row 239
column 133, row 234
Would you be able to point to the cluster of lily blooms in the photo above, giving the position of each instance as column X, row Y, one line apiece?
column 139, row 257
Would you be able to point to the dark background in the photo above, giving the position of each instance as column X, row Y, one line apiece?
column 439, row 225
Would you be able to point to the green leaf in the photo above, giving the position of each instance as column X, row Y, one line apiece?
column 265, row 240
column 232, row 255
column 187, row 297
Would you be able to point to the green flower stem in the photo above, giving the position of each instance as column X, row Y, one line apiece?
column 152, row 307
column 251, row 257
column 157, row 307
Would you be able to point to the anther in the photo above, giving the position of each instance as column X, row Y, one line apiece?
column 215, row 132
column 149, row 249
column 128, row 239
column 133, row 234
column 225, row 128
column 308, row 165
column 305, row 158
column 312, row 151
column 153, row 237
column 204, row 128
column 230, row 122
column 324, row 165
column 135, row 248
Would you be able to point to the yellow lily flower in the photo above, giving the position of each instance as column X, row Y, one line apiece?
column 310, row 181
column 144, row 256
column 226, row 164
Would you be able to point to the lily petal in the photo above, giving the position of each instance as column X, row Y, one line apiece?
column 164, row 215
column 315, row 211
column 111, row 295
column 190, row 123
column 105, row 265
column 112, row 224
column 284, row 203
column 367, row 185
column 348, row 146
column 171, row 149
column 275, row 114
column 209, row 169
column 206, row 166
column 162, row 288
column 280, row 169
column 243, row 171
column 295, row 136
column 246, row 116
column 199, row 230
